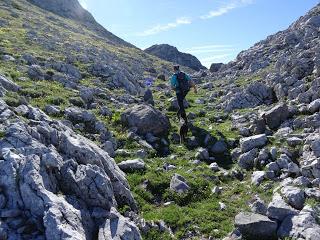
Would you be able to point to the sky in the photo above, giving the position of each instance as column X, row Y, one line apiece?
column 212, row 30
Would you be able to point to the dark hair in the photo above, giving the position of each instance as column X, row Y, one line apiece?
column 176, row 67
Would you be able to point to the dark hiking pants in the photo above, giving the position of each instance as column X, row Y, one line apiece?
column 181, row 111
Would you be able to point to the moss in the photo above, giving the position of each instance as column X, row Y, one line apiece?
column 2, row 134
column 77, row 101
column 12, row 99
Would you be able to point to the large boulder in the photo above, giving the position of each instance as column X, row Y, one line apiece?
column 314, row 106
column 257, row 177
column 276, row 116
column 8, row 85
column 294, row 196
column 278, row 209
column 255, row 226
column 67, row 184
column 219, row 147
column 250, row 143
column 246, row 160
column 301, row 226
column 146, row 119
column 215, row 67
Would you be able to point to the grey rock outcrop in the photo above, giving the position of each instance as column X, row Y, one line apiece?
column 294, row 196
column 146, row 119
column 300, row 226
column 58, row 178
column 255, row 226
column 250, row 143
column 278, row 209
column 275, row 116
column 171, row 54
column 7, row 85
column 254, row 95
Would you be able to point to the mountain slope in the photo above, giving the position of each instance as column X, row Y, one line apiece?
column 300, row 40
column 33, row 31
column 73, row 10
column 171, row 54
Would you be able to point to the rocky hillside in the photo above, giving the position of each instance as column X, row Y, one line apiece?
column 88, row 152
column 172, row 54
column 73, row 10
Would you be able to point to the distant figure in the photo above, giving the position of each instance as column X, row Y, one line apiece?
column 181, row 83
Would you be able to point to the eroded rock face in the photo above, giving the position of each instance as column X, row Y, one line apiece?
column 57, row 179
column 303, row 225
column 254, row 95
column 118, row 227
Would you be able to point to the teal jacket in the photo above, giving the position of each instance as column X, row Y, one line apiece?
column 174, row 82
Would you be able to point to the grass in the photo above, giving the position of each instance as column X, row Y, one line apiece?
column 198, row 209
column 42, row 93
column 2, row 134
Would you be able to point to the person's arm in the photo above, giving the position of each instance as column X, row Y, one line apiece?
column 192, row 84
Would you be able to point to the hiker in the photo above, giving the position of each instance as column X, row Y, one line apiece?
column 181, row 83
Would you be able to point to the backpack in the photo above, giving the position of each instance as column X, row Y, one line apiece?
column 183, row 83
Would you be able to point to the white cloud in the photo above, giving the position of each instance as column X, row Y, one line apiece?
column 211, row 49
column 224, row 58
column 215, row 46
column 165, row 27
column 217, row 57
column 227, row 8
column 84, row 3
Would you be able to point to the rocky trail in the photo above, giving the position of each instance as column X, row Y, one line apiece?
column 87, row 151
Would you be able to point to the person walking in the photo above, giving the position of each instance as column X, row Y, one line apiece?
column 181, row 83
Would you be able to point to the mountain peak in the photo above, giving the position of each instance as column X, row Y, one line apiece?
column 172, row 54
column 65, row 8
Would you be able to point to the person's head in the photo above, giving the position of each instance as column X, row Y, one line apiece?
column 176, row 68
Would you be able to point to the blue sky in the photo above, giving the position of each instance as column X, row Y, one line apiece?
column 212, row 30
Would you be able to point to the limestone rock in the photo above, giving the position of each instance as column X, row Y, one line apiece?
column 275, row 116
column 255, row 226
column 250, row 143
column 278, row 209
column 118, row 227
column 246, row 160
column 146, row 119
column 132, row 165
column 300, row 226
column 294, row 196
column 178, row 184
